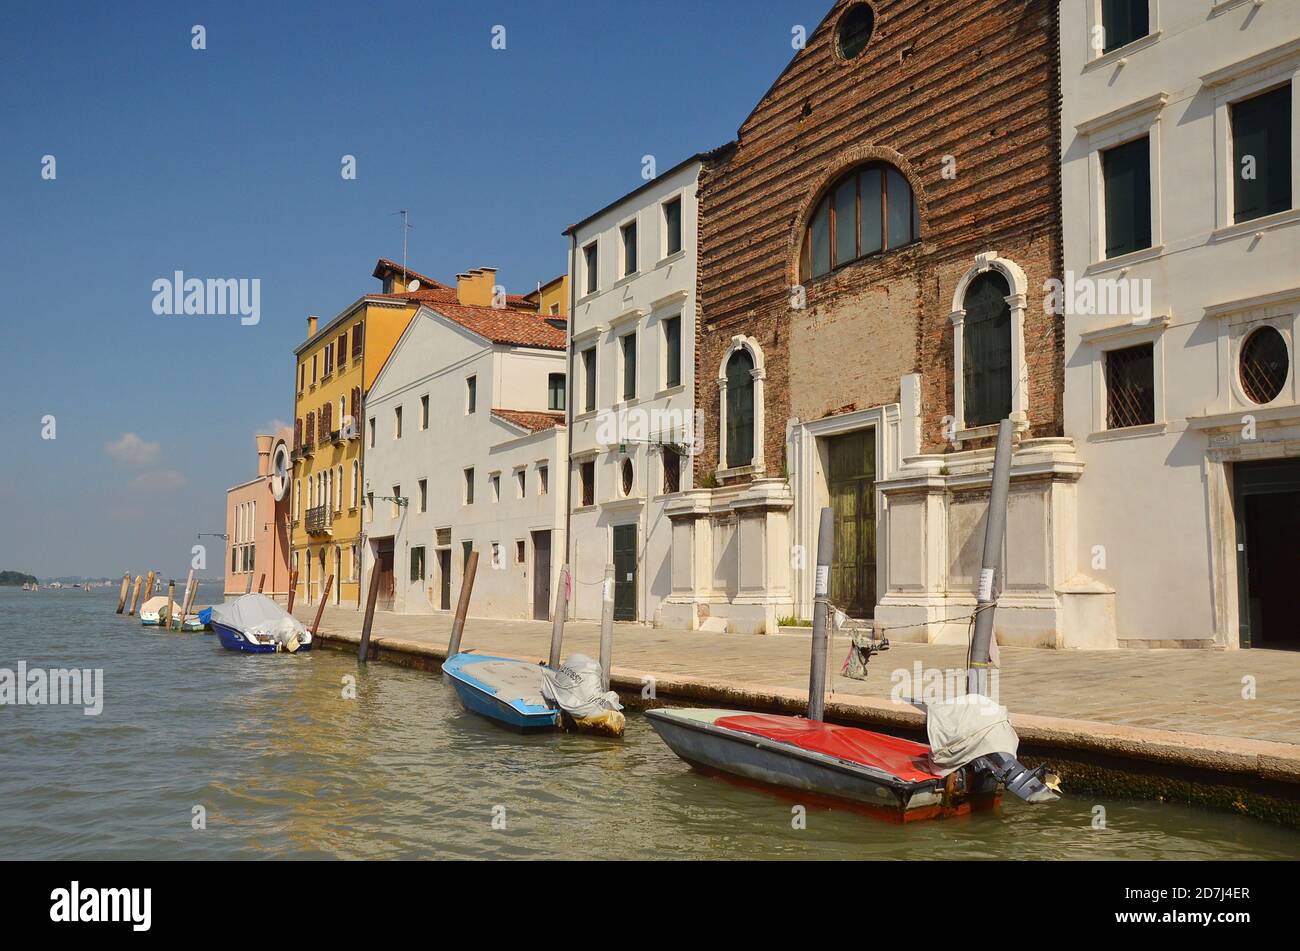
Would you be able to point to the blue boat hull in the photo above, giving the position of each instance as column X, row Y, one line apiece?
column 233, row 640
column 482, row 698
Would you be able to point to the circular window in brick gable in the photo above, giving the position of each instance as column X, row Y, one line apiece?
column 1264, row 365
column 855, row 29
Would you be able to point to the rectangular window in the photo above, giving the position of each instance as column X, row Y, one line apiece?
column 356, row 342
column 424, row 495
column 628, row 233
column 341, row 348
column 587, row 472
column 302, row 376
column 397, row 422
column 1130, row 387
column 469, row 486
column 672, row 226
column 521, row 553
column 395, row 504
column 370, row 506
column 543, row 480
column 521, row 482
column 417, row 564
column 372, row 432
column 329, row 359
column 1261, row 142
column 628, row 343
column 555, row 391
column 1124, row 21
column 495, row 479
column 672, row 470
column 673, row 351
column 471, row 396
column 424, row 412
column 1126, row 171
column 589, row 262
column 466, row 549
column 589, row 379
column 314, row 358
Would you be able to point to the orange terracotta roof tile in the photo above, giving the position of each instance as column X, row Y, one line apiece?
column 532, row 421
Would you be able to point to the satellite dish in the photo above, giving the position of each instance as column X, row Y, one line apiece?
column 280, row 465
column 413, row 286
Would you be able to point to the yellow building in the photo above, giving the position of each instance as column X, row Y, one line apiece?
column 335, row 368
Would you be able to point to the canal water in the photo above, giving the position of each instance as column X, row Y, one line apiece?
column 281, row 764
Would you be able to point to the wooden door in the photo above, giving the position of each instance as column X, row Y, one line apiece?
column 851, row 481
column 541, row 576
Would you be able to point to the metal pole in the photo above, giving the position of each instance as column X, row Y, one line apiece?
column 607, row 625
column 561, row 615
column 821, row 616
column 995, row 530
column 462, row 606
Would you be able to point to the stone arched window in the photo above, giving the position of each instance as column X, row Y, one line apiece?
column 740, row 404
column 990, row 375
column 869, row 210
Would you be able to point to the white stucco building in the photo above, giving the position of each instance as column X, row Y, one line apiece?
column 1182, row 252
column 465, row 423
column 632, row 267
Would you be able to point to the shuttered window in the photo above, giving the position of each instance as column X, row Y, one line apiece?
column 589, row 379
column 358, row 333
column 1127, row 173
column 1261, row 139
column 1124, row 21
column 986, row 351
column 740, row 410
column 673, row 348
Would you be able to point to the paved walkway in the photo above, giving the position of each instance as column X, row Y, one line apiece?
column 1184, row 691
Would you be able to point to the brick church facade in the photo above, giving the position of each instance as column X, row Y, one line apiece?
column 875, row 253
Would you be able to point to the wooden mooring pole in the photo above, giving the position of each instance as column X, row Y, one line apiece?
column 293, row 589
column 261, row 582
column 329, row 583
column 121, row 598
column 148, row 591
column 363, row 649
column 607, row 625
column 136, row 592
column 821, row 616
column 561, row 615
column 462, row 606
column 171, row 601
column 179, row 622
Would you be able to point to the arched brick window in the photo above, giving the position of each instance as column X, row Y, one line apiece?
column 986, row 345
column 865, row 212
column 740, row 409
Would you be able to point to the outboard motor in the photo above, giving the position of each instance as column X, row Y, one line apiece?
column 1031, row 785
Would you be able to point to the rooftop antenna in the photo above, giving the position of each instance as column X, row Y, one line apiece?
column 406, row 228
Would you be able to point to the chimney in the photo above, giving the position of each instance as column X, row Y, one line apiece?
column 474, row 289
column 311, row 327
column 264, row 455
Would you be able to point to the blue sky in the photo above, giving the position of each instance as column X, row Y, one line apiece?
column 225, row 163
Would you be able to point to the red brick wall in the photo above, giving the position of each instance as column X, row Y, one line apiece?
column 972, row 79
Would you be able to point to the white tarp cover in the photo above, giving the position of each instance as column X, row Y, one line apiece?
column 154, row 605
column 577, row 688
column 966, row 728
column 260, row 617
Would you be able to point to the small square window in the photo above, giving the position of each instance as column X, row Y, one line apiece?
column 1130, row 387
column 555, row 392
column 521, row 552
column 543, row 480
column 1124, row 21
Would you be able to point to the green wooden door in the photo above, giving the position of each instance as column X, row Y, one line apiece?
column 624, row 572
column 852, row 484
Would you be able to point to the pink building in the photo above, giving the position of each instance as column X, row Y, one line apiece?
column 257, row 526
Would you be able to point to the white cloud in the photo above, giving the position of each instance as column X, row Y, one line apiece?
column 131, row 450
column 159, row 480
column 271, row 427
